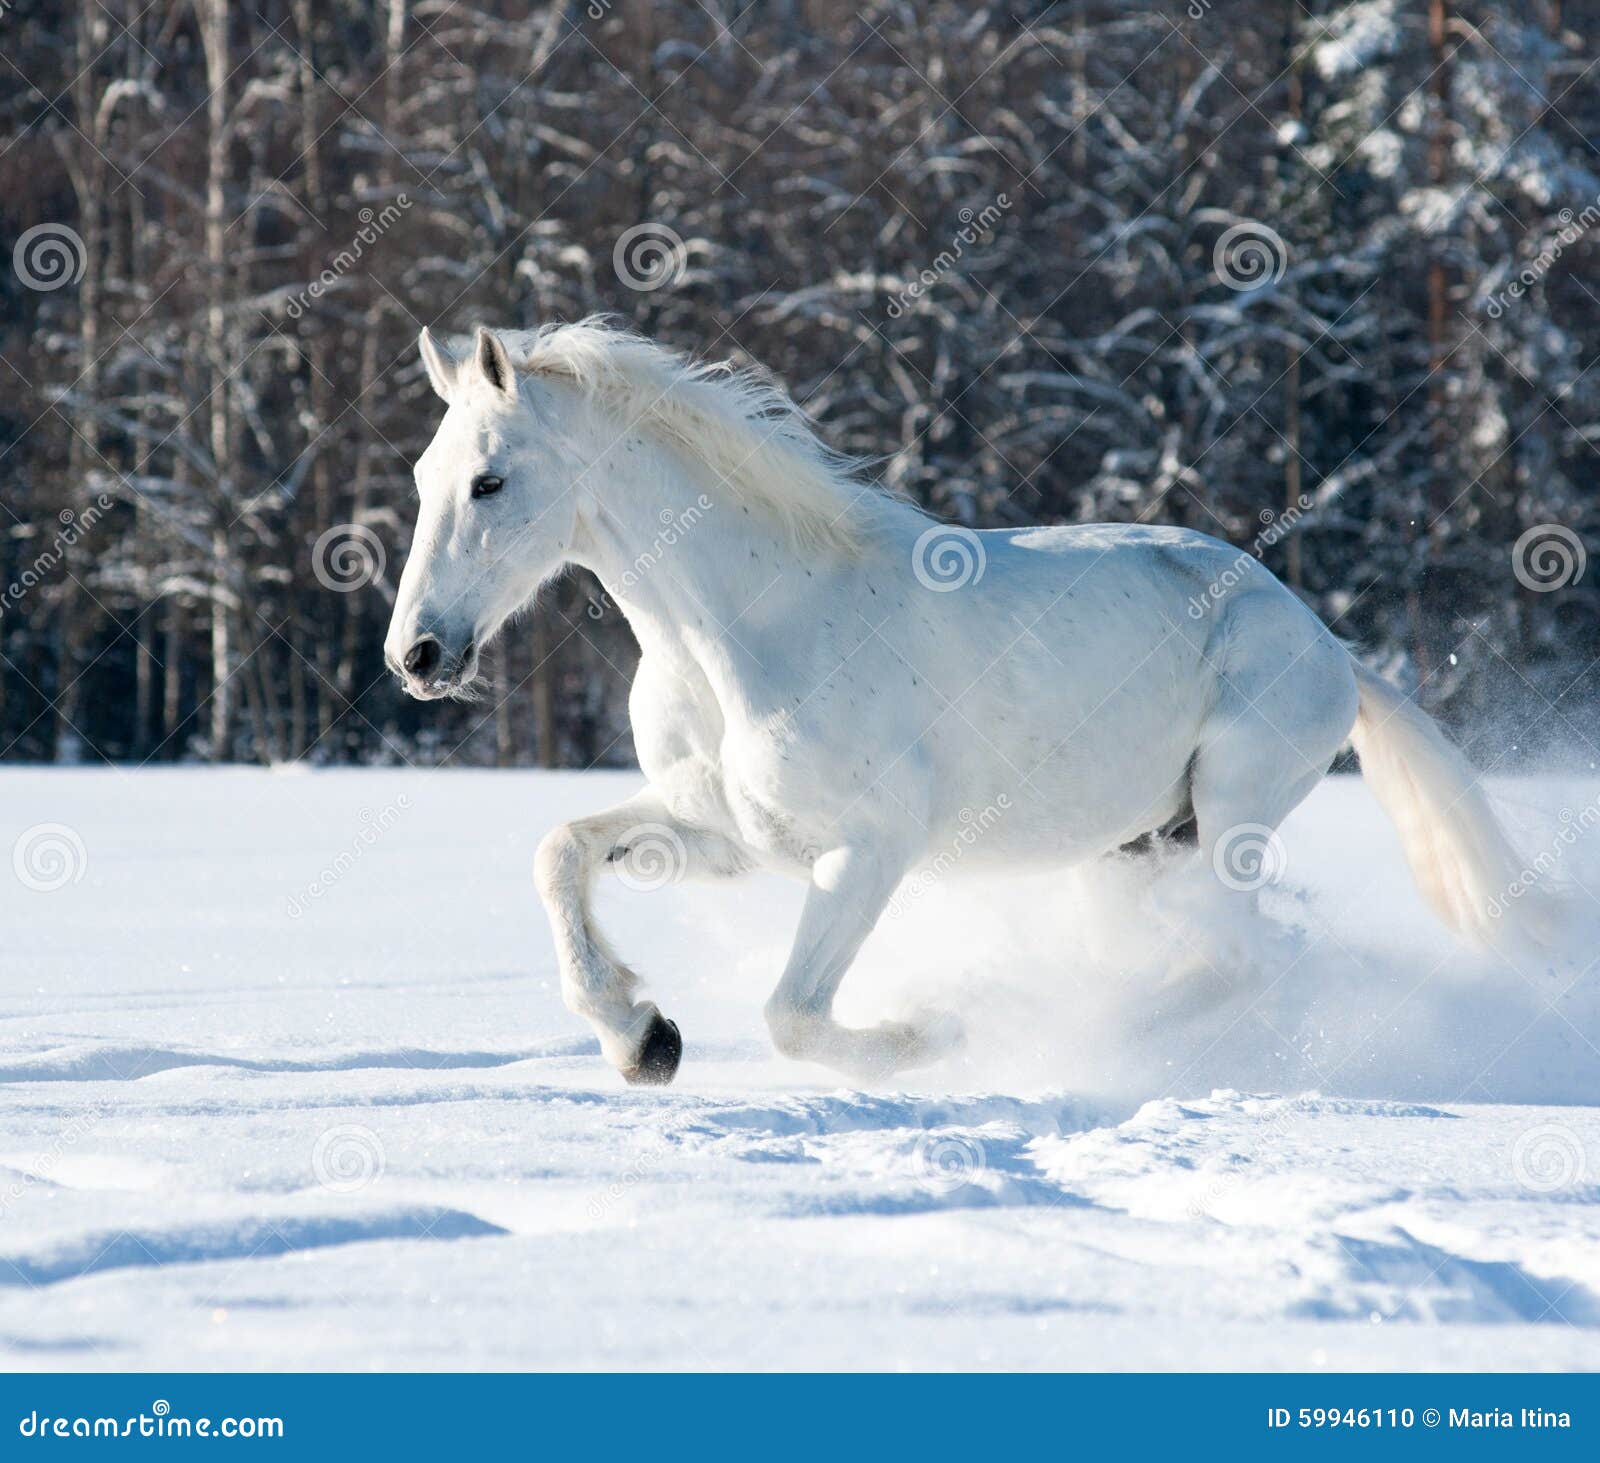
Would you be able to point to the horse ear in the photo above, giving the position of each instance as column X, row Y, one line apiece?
column 489, row 352
column 441, row 370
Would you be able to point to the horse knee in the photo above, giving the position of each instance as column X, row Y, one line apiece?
column 557, row 865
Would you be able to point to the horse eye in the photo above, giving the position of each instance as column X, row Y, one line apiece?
column 486, row 483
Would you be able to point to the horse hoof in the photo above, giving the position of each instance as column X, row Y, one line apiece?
column 658, row 1057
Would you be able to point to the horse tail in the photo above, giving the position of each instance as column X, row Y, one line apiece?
column 1459, row 854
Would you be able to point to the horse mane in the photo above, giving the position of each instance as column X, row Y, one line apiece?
column 737, row 422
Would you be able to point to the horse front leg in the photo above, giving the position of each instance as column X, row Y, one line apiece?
column 850, row 888
column 650, row 848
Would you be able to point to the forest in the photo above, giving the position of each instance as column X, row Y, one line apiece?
column 1316, row 278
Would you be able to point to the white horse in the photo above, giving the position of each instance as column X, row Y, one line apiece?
column 832, row 684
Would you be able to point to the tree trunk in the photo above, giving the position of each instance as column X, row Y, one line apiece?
column 214, row 26
column 83, row 463
column 544, row 693
column 1437, row 498
column 1293, row 484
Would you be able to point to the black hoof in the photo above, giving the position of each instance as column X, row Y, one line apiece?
column 659, row 1056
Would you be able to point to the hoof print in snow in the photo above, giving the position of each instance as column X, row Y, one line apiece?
column 658, row 1057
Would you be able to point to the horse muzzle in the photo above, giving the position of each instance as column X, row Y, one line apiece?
column 429, row 670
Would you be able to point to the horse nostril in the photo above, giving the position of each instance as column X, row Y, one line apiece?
column 422, row 660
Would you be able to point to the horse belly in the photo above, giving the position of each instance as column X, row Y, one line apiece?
column 1075, row 759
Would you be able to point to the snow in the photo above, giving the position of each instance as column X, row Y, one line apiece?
column 367, row 1134
column 1360, row 36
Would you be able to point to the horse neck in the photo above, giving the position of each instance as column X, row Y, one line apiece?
column 698, row 573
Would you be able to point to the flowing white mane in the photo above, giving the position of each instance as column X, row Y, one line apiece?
column 739, row 424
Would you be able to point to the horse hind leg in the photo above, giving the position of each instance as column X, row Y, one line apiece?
column 1244, row 787
column 1244, row 782
column 1271, row 738
column 1283, row 704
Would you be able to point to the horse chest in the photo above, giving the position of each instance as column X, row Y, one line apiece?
column 723, row 775
column 676, row 732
